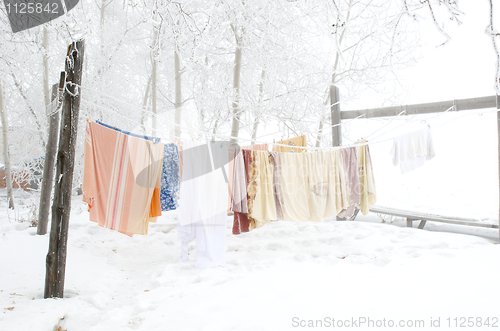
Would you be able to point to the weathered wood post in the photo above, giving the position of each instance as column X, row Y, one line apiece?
column 335, row 114
column 61, row 207
column 50, row 154
column 498, row 129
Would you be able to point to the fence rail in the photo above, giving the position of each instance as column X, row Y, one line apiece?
column 422, row 108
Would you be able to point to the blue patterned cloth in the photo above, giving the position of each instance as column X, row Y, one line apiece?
column 170, row 178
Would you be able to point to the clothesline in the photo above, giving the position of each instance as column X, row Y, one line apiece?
column 148, row 111
column 188, row 128
column 154, row 114
column 311, row 148
column 220, row 136
column 214, row 134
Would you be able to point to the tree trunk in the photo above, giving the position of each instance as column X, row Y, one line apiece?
column 320, row 132
column 254, row 130
column 235, row 128
column 48, row 167
column 178, row 96
column 214, row 131
column 5, row 130
column 334, row 74
column 103, row 7
column 56, row 257
column 153, row 96
column 261, row 97
column 46, row 91
column 144, row 104
column 154, row 61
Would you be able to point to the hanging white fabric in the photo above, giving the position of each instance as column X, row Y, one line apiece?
column 202, row 205
column 413, row 149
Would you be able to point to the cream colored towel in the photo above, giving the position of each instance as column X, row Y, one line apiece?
column 304, row 186
column 261, row 207
column 337, row 198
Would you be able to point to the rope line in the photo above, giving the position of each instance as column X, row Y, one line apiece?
column 240, row 139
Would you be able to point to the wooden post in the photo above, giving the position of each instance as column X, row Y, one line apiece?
column 61, row 207
column 48, row 166
column 335, row 106
column 498, row 129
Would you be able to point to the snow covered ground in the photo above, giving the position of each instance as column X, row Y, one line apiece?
column 364, row 274
column 281, row 275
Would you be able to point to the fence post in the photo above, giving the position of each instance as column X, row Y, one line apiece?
column 335, row 109
column 48, row 166
column 498, row 129
column 61, row 207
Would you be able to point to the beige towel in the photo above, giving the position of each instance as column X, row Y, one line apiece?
column 261, row 207
column 304, row 186
column 296, row 141
column 337, row 184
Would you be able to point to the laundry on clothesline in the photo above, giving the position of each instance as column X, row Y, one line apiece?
column 240, row 192
column 413, row 149
column 299, row 141
column 153, row 139
column 368, row 194
column 203, row 208
column 170, row 178
column 300, row 186
column 261, row 203
column 121, row 181
column 313, row 185
column 258, row 147
column 350, row 163
column 129, row 179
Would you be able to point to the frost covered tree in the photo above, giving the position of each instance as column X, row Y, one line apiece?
column 248, row 65
column 5, row 149
column 440, row 11
column 367, row 42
